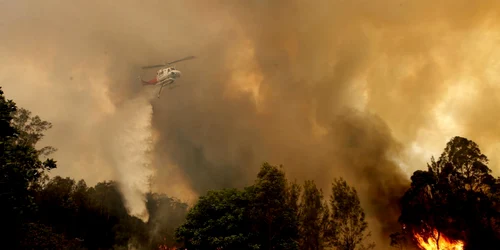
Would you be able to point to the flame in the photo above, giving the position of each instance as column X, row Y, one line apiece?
column 444, row 243
column 166, row 247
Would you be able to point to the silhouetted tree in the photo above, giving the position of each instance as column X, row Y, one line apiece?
column 313, row 218
column 274, row 210
column 20, row 171
column 31, row 130
column 348, row 224
column 456, row 195
column 60, row 213
column 165, row 215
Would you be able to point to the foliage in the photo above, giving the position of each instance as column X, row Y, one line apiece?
column 263, row 216
column 31, row 129
column 313, row 217
column 275, row 214
column 60, row 213
column 219, row 219
column 457, row 195
column 39, row 236
column 98, row 217
column 166, row 214
column 273, row 209
column 20, row 171
column 348, row 224
column 399, row 240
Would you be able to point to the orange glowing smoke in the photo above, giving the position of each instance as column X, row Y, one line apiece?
column 438, row 242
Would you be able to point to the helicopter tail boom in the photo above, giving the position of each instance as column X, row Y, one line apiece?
column 150, row 82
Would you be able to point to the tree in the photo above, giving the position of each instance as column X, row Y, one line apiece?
column 165, row 215
column 274, row 210
column 43, row 237
column 56, row 204
column 262, row 216
column 293, row 195
column 313, row 216
column 455, row 196
column 219, row 220
column 31, row 130
column 60, row 213
column 348, row 225
column 423, row 206
column 20, row 171
column 399, row 240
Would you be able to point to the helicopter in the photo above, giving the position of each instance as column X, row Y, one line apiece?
column 165, row 76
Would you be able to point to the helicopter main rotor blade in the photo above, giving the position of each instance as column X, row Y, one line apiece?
column 154, row 66
column 165, row 64
column 183, row 59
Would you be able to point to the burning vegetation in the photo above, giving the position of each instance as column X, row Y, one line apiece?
column 438, row 241
column 453, row 204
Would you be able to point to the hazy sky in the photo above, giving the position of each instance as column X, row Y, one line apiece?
column 360, row 89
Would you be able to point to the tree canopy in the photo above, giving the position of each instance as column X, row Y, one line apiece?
column 457, row 196
column 348, row 224
column 60, row 213
column 21, row 171
column 275, row 213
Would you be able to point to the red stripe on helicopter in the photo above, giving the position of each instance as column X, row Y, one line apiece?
column 151, row 82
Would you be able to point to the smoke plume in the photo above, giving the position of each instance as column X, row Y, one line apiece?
column 366, row 90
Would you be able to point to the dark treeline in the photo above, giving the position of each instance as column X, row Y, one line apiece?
column 71, row 214
column 61, row 213
column 456, row 196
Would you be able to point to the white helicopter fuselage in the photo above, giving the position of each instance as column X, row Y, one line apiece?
column 167, row 75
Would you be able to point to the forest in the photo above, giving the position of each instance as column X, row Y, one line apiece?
column 452, row 204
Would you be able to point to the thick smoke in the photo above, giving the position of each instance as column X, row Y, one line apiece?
column 367, row 90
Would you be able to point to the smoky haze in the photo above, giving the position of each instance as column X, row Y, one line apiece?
column 366, row 90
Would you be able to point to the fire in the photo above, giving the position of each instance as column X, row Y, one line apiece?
column 438, row 242
column 165, row 247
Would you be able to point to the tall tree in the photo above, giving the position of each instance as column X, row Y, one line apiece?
column 313, row 215
column 424, row 206
column 273, row 210
column 293, row 194
column 348, row 224
column 20, row 171
column 165, row 215
column 218, row 221
column 262, row 216
column 455, row 196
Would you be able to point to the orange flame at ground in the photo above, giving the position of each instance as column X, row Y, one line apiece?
column 438, row 242
column 166, row 247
